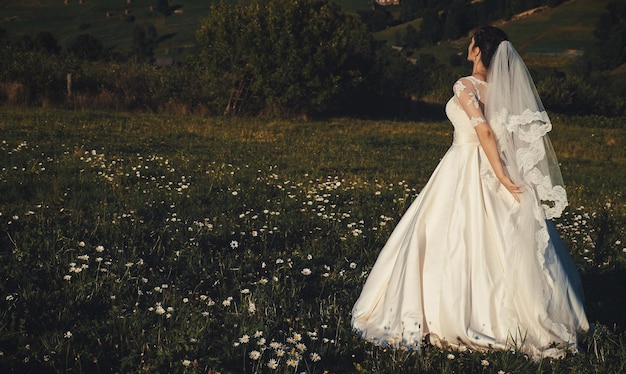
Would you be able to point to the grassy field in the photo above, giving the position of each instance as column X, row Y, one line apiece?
column 109, row 20
column 547, row 36
column 147, row 243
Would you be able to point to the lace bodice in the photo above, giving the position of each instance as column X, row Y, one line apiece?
column 465, row 109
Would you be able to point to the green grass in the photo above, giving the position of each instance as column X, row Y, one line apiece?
column 551, row 32
column 544, row 38
column 135, row 242
column 68, row 21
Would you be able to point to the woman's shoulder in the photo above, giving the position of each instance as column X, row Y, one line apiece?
column 468, row 82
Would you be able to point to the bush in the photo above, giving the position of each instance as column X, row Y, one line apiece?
column 281, row 57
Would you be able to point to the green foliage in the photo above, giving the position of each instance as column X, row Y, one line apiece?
column 87, row 47
column 144, row 43
column 282, row 57
column 574, row 95
column 610, row 33
column 432, row 26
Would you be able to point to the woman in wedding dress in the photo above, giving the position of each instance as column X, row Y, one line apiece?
column 475, row 260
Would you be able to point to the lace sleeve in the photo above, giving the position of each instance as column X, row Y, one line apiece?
column 469, row 98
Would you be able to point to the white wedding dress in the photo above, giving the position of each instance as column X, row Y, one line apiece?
column 465, row 265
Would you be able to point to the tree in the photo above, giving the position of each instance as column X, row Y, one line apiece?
column 87, row 47
column 282, row 57
column 144, row 43
column 46, row 42
column 163, row 7
column 431, row 28
column 411, row 37
column 377, row 19
column 610, row 34
column 456, row 21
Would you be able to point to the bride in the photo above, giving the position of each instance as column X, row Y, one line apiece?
column 475, row 260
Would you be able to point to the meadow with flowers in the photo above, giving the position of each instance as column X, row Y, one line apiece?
column 151, row 243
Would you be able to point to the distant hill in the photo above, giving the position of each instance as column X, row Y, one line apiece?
column 547, row 37
column 112, row 21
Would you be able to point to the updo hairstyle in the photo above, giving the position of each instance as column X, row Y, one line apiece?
column 488, row 38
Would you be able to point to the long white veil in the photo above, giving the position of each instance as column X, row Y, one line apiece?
column 520, row 122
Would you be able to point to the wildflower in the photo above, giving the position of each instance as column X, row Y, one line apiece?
column 81, row 244
column 67, row 335
column 255, row 355
column 315, row 357
column 251, row 307
column 280, row 353
column 293, row 363
column 245, row 291
column 484, row 363
column 186, row 363
column 244, row 339
column 275, row 345
column 297, row 337
column 100, row 249
column 261, row 341
column 234, row 244
column 9, row 298
column 83, row 257
column 301, row 347
column 129, row 265
column 272, row 364
column 279, row 261
column 185, row 300
column 263, row 281
column 159, row 309
column 258, row 334
column 227, row 301
column 306, row 271
column 450, row 356
column 353, row 265
column 501, row 372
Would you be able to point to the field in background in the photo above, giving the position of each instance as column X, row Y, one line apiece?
column 545, row 35
column 551, row 37
column 135, row 242
column 109, row 20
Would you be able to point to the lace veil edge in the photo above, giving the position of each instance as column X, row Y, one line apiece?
column 521, row 125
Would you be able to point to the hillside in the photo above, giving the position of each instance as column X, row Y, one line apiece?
column 549, row 37
column 546, row 37
column 113, row 21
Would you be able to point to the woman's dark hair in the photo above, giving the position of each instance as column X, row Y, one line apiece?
column 488, row 38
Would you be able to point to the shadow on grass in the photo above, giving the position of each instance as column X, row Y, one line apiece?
column 605, row 298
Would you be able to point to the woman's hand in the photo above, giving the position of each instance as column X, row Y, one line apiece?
column 514, row 189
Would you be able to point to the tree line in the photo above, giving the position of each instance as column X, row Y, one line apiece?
column 291, row 58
